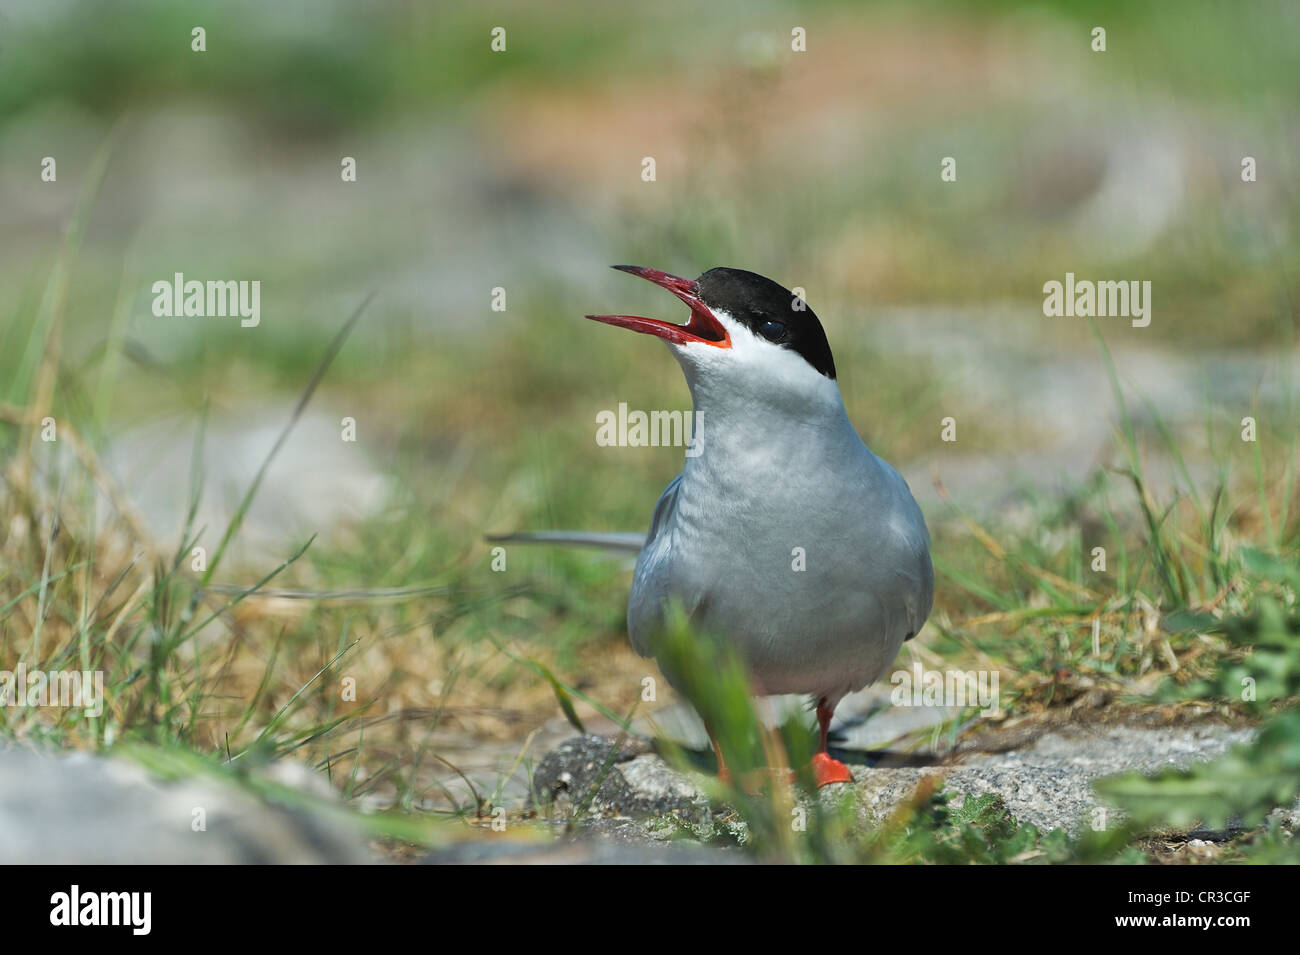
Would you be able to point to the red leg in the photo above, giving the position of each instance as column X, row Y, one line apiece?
column 753, row 784
column 724, row 774
column 825, row 769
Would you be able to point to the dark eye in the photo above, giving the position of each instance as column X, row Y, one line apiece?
column 773, row 331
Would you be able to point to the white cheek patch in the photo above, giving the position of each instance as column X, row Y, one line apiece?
column 741, row 336
column 754, row 369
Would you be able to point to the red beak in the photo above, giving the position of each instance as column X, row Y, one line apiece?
column 702, row 327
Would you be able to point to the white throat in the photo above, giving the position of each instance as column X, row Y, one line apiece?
column 758, row 405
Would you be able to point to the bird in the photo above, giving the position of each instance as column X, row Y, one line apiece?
column 784, row 535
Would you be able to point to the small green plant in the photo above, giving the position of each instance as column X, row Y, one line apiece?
column 1244, row 785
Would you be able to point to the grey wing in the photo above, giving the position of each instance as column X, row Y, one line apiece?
column 920, row 596
column 664, row 509
column 644, row 605
column 918, row 591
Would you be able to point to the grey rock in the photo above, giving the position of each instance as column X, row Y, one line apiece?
column 1046, row 782
column 591, row 775
column 1288, row 818
column 80, row 809
column 585, row 851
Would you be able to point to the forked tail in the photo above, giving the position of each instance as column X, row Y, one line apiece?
column 624, row 542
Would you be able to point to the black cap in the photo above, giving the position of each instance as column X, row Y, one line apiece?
column 758, row 302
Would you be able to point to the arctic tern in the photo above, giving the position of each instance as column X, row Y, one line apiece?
column 784, row 535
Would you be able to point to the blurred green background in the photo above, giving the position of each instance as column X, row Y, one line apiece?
column 522, row 170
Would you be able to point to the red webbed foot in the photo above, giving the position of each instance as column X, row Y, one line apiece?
column 827, row 770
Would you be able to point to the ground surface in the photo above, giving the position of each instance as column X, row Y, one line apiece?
column 1045, row 782
column 598, row 804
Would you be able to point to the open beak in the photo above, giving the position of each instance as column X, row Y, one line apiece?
column 703, row 325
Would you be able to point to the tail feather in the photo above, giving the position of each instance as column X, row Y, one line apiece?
column 628, row 542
